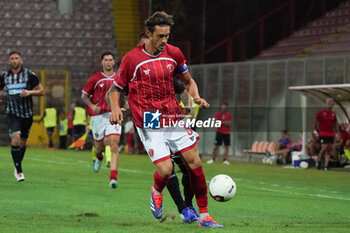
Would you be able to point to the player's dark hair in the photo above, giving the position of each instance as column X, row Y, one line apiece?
column 141, row 35
column 105, row 53
column 284, row 131
column 225, row 103
column 159, row 18
column 15, row 52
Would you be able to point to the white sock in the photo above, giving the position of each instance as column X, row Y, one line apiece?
column 203, row 215
column 155, row 191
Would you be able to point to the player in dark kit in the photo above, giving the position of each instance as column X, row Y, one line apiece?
column 147, row 73
column 20, row 84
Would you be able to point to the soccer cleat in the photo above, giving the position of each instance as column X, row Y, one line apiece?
column 113, row 184
column 108, row 164
column 325, row 168
column 188, row 216
column 210, row 161
column 226, row 162
column 156, row 204
column 20, row 177
column 195, row 212
column 209, row 222
column 97, row 165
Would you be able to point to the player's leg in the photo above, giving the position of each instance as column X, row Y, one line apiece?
column 98, row 134
column 174, row 190
column 217, row 144
column 199, row 186
column 99, row 149
column 188, row 193
column 324, row 148
column 327, row 155
column 49, row 131
column 185, row 181
column 186, row 214
column 227, row 143
column 159, row 153
column 113, row 142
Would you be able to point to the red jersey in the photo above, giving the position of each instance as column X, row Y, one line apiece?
column 149, row 80
column 326, row 120
column 220, row 116
column 96, row 88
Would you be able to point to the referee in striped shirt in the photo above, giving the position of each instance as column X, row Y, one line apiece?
column 20, row 84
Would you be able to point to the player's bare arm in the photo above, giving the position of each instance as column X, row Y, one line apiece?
column 116, row 116
column 187, row 101
column 37, row 91
column 87, row 101
column 226, row 123
column 192, row 88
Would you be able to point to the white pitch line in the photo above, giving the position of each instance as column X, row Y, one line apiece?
column 295, row 193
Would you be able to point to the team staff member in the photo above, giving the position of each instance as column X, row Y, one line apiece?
column 103, row 132
column 21, row 84
column 146, row 73
column 63, row 130
column 222, row 133
column 50, row 122
column 79, row 122
column 326, row 124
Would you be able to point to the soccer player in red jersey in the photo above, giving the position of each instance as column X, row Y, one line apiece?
column 326, row 124
column 146, row 73
column 103, row 132
column 222, row 133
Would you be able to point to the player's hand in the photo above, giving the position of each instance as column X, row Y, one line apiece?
column 201, row 102
column 24, row 93
column 96, row 109
column 116, row 117
column 188, row 111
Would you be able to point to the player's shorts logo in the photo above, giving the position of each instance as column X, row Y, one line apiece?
column 151, row 120
column 151, row 152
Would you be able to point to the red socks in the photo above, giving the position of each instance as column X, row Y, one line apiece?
column 159, row 182
column 113, row 175
column 199, row 187
column 100, row 156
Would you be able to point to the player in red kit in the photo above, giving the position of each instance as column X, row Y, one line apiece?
column 222, row 133
column 146, row 73
column 103, row 132
column 326, row 124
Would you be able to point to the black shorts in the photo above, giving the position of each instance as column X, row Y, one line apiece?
column 222, row 137
column 78, row 130
column 49, row 130
column 326, row 140
column 18, row 125
column 70, row 132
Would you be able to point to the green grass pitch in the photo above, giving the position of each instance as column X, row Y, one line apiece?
column 61, row 193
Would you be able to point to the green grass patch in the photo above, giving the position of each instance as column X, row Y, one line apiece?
column 61, row 193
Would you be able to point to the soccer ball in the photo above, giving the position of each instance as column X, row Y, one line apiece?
column 222, row 188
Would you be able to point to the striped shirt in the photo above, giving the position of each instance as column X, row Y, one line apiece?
column 149, row 81
column 13, row 83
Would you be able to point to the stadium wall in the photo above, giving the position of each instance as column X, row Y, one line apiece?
column 258, row 97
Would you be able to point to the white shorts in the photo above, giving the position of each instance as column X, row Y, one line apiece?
column 161, row 143
column 101, row 127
